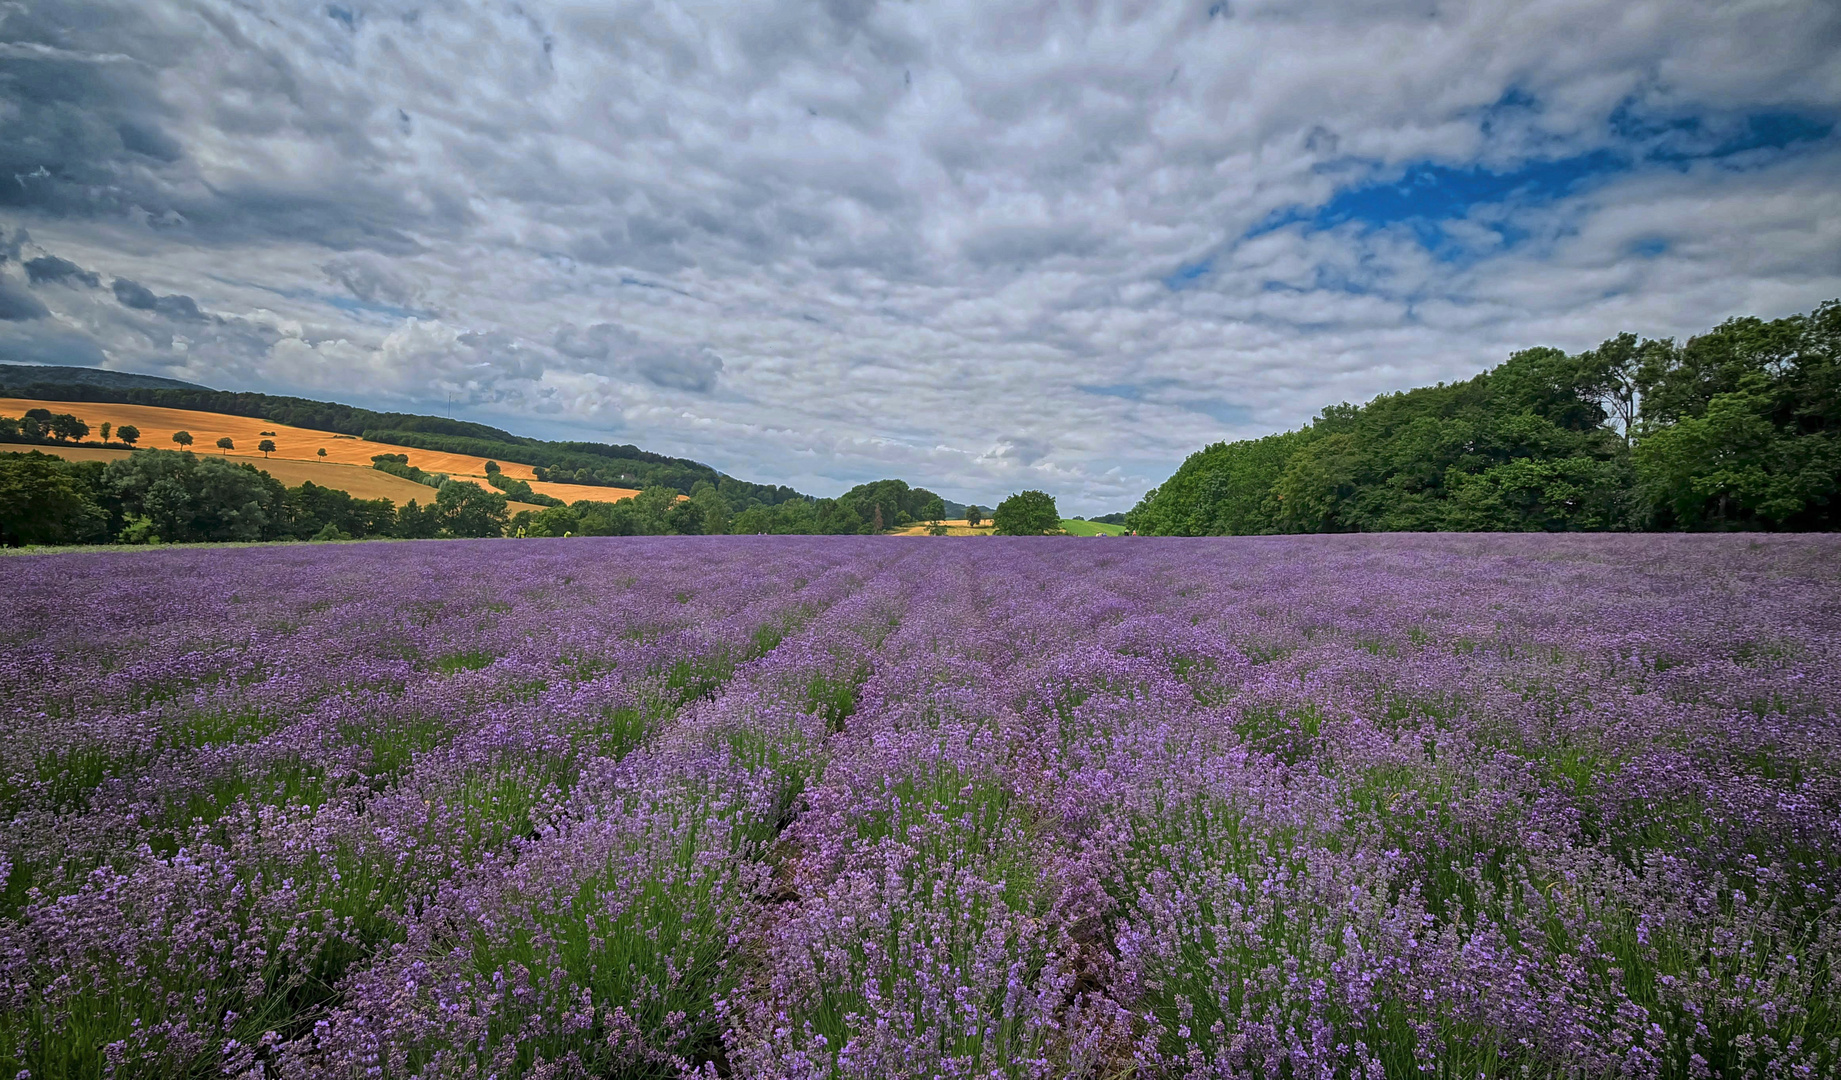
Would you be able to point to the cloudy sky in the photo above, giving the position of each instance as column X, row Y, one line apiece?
column 978, row 245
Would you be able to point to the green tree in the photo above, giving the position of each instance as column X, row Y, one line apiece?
column 835, row 517
column 1616, row 372
column 519, row 489
column 128, row 434
column 884, row 504
column 226, row 443
column 467, row 510
column 42, row 502
column 1223, row 490
column 183, row 438
column 105, row 428
column 267, row 446
column 322, row 451
column 684, row 519
column 1732, row 466
column 1739, row 426
column 711, row 507
column 1316, row 482
column 1027, row 513
column 754, row 519
column 1529, row 495
column 974, row 515
column 188, row 499
column 645, row 514
column 550, row 521
column 793, row 517
column 414, row 522
column 309, row 510
column 1403, row 460
column 66, row 427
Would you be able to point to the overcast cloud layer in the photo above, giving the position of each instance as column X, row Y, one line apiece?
column 981, row 246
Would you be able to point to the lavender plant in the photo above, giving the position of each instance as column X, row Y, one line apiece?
column 1394, row 806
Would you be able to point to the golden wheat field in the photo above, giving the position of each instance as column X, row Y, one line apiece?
column 360, row 482
column 346, row 464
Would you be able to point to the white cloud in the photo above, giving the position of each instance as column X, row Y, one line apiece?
column 821, row 242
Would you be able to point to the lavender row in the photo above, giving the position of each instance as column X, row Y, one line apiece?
column 838, row 808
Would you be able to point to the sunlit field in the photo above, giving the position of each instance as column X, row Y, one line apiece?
column 1394, row 806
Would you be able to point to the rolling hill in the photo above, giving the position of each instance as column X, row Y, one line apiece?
column 346, row 464
column 622, row 468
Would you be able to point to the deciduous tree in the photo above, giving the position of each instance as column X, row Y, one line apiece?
column 64, row 426
column 1027, row 513
column 466, row 509
column 41, row 503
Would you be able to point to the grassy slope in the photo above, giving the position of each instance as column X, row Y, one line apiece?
column 1077, row 527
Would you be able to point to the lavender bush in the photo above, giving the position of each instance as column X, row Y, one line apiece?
column 823, row 808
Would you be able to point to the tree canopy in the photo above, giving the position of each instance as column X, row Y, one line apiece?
column 1027, row 513
column 1736, row 428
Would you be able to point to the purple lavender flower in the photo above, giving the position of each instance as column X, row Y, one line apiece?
column 838, row 807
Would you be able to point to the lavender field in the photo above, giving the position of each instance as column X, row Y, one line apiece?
column 1449, row 806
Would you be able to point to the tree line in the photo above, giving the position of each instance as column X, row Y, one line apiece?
column 715, row 509
column 44, row 427
column 175, row 496
column 1737, row 428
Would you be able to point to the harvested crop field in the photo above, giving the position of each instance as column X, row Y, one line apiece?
column 1407, row 805
column 157, row 424
column 954, row 527
column 356, row 481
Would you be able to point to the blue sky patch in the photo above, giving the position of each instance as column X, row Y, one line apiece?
column 1185, row 276
column 1428, row 193
column 1774, row 131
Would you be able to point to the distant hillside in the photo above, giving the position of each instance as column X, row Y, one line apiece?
column 622, row 466
column 29, row 374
